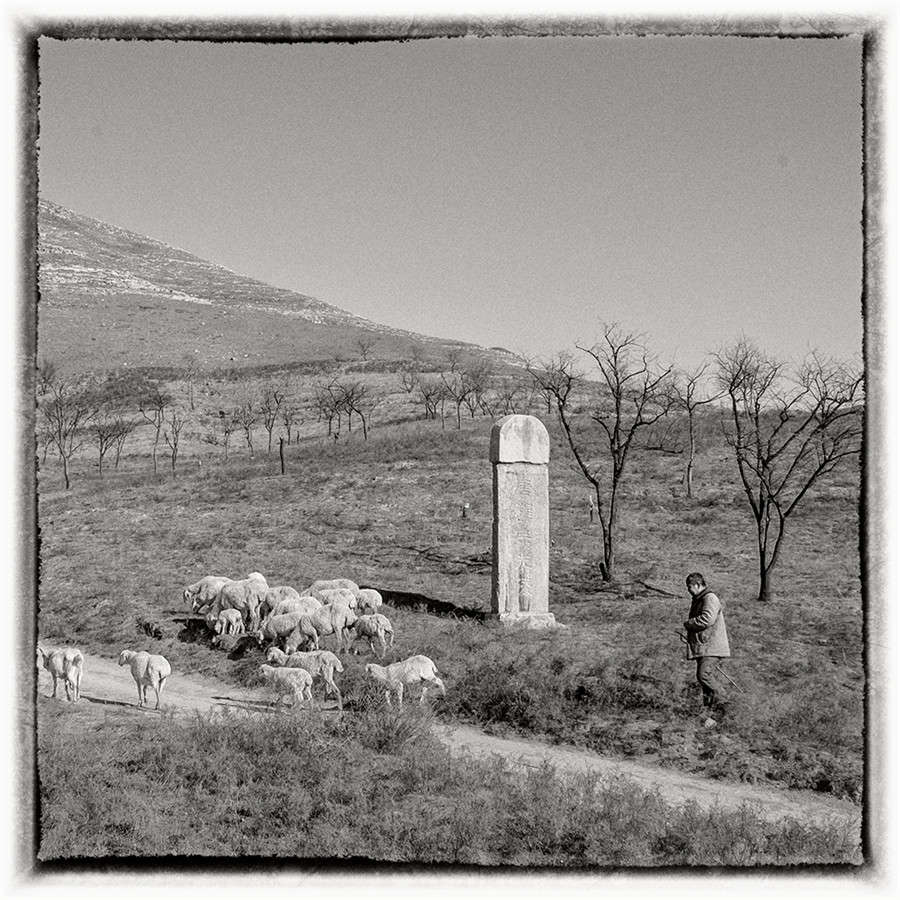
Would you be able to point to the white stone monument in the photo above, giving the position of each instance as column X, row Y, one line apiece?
column 520, row 584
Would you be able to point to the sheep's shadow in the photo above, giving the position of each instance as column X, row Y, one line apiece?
column 242, row 702
column 102, row 701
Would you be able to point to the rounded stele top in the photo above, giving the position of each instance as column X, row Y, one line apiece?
column 519, row 438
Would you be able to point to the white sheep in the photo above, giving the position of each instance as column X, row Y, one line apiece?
column 331, row 619
column 148, row 670
column 273, row 596
column 244, row 595
column 296, row 683
column 408, row 672
column 230, row 621
column 338, row 597
column 306, row 605
column 203, row 592
column 330, row 584
column 276, row 628
column 369, row 627
column 67, row 664
column 319, row 663
column 367, row 601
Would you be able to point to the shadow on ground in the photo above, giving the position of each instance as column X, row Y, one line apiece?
column 421, row 603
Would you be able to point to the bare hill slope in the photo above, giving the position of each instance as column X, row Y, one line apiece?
column 110, row 297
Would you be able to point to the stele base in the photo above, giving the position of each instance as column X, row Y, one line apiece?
column 525, row 620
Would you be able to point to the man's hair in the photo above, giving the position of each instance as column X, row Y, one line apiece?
column 695, row 578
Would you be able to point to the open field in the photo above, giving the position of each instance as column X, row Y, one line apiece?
column 117, row 550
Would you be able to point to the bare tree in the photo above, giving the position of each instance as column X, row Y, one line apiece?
column 360, row 399
column 430, row 389
column 245, row 415
column 291, row 415
column 456, row 389
column 175, row 421
column 365, row 343
column 105, row 429
column 633, row 395
column 152, row 404
column 227, row 423
column 125, row 427
column 69, row 407
column 454, row 357
column 787, row 430
column 476, row 377
column 687, row 389
column 511, row 395
column 46, row 375
column 329, row 404
column 272, row 398
column 191, row 369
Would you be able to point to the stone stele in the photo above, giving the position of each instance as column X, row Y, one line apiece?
column 520, row 453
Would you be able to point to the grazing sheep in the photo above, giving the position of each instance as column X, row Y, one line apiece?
column 306, row 605
column 330, row 584
column 230, row 621
column 409, row 671
column 335, row 620
column 274, row 596
column 319, row 663
column 296, row 683
column 374, row 625
column 148, row 670
column 367, row 601
column 304, row 634
column 245, row 595
column 338, row 597
column 276, row 628
column 203, row 592
column 66, row 663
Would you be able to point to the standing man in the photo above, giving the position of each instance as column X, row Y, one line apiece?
column 707, row 640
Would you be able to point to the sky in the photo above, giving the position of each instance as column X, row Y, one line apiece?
column 512, row 192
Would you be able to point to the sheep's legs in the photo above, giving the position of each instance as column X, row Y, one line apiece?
column 158, row 690
column 387, row 696
column 54, row 685
column 400, row 694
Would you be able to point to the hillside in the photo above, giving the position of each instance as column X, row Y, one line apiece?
column 110, row 297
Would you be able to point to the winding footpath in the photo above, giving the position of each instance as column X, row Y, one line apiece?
column 106, row 684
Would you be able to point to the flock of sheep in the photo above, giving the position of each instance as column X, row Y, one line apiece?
column 275, row 616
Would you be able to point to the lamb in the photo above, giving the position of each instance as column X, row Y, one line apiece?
column 409, row 671
column 331, row 619
column 245, row 595
column 319, row 663
column 148, row 670
column 367, row 601
column 288, row 682
column 374, row 625
column 67, row 664
column 306, row 605
column 230, row 621
column 330, row 584
column 274, row 596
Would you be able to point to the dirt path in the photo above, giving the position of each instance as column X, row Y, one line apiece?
column 106, row 684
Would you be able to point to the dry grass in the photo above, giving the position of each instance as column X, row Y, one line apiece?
column 117, row 551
